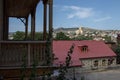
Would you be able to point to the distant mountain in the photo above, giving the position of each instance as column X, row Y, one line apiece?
column 89, row 29
column 65, row 29
column 83, row 28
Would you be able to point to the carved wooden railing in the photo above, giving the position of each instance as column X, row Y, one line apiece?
column 14, row 53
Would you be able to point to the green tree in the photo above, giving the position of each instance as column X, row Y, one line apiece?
column 117, row 51
column 63, row 69
column 38, row 36
column 61, row 36
column 107, row 38
column 82, row 37
column 19, row 35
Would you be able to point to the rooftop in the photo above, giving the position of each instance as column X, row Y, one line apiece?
column 96, row 49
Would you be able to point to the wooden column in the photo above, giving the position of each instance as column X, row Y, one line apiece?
column 33, row 24
column 29, row 54
column 45, row 19
column 1, row 19
column 26, row 28
column 6, row 28
column 50, row 27
column 50, row 19
column 5, row 22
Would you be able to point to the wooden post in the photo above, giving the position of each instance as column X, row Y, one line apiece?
column 29, row 63
column 26, row 28
column 5, row 22
column 45, row 20
column 1, row 19
column 50, row 26
column 50, row 19
column 5, row 28
column 33, row 23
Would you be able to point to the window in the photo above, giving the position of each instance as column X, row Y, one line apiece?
column 95, row 63
column 110, row 61
column 83, row 48
column 103, row 62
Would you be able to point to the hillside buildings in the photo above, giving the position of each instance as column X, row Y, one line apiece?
column 104, row 35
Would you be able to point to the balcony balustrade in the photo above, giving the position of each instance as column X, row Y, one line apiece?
column 15, row 53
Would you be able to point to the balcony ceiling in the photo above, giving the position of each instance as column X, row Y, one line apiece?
column 19, row 8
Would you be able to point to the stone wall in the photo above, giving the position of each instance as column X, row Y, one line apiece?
column 98, row 63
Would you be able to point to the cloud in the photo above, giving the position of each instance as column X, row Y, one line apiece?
column 102, row 19
column 80, row 12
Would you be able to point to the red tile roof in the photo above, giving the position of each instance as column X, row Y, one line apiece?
column 96, row 49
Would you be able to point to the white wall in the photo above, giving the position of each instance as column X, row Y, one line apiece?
column 89, row 63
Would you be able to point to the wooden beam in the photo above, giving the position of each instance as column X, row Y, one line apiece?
column 14, row 73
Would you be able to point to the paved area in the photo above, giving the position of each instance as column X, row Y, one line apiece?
column 101, row 75
column 104, row 75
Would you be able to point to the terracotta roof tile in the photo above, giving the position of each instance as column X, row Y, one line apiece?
column 95, row 49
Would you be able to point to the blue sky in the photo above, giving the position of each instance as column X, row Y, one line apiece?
column 98, row 14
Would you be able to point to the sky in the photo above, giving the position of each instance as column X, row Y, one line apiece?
column 98, row 14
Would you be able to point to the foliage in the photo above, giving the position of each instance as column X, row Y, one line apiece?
column 117, row 51
column 82, row 37
column 34, row 65
column 61, row 36
column 19, row 35
column 107, row 38
column 38, row 36
column 63, row 68
column 24, row 65
column 82, row 78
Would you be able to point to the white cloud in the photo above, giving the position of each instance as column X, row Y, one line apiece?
column 79, row 12
column 102, row 19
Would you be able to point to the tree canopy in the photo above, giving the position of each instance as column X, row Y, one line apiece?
column 107, row 38
column 19, row 35
column 117, row 51
column 61, row 36
column 82, row 37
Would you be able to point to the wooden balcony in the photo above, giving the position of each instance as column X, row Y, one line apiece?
column 15, row 53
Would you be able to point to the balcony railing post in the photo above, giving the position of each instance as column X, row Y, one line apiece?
column 12, row 53
column 29, row 54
